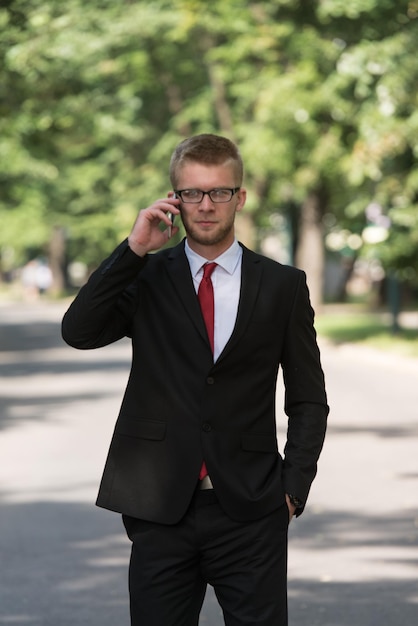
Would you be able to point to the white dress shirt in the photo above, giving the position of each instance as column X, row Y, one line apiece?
column 226, row 280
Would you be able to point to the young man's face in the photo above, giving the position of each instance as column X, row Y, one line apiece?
column 209, row 225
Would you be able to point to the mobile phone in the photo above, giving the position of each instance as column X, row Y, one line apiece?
column 171, row 216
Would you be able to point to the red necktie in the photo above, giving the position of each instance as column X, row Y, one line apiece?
column 207, row 304
column 206, row 300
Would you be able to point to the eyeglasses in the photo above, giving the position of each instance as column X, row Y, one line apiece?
column 196, row 195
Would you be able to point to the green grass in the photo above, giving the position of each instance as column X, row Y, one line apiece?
column 370, row 329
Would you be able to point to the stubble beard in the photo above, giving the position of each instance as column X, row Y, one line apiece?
column 210, row 238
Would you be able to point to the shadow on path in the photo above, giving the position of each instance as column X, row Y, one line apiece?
column 67, row 566
column 63, row 564
column 382, row 603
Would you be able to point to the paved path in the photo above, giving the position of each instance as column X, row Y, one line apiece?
column 63, row 562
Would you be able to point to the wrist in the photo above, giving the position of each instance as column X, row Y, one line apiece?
column 137, row 248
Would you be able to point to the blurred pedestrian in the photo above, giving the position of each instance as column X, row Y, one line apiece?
column 43, row 277
column 36, row 278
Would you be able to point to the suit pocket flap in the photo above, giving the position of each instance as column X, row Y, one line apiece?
column 146, row 429
column 258, row 443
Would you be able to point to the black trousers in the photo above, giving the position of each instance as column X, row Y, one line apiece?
column 246, row 563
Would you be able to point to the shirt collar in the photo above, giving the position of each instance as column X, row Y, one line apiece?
column 228, row 260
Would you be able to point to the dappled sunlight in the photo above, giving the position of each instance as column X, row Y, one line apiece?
column 67, row 563
column 352, row 555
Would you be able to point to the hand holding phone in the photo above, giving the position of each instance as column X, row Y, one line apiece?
column 171, row 216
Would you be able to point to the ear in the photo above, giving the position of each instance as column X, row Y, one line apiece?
column 241, row 197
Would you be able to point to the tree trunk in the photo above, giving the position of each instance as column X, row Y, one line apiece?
column 57, row 260
column 310, row 254
column 220, row 101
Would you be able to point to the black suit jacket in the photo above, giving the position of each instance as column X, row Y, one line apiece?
column 180, row 408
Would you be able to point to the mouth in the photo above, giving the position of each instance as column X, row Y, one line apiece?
column 205, row 223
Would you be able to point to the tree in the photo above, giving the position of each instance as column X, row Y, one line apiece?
column 382, row 77
column 95, row 96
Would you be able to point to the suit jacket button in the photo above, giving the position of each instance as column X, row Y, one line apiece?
column 206, row 427
column 210, row 380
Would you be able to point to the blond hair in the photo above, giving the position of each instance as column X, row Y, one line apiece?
column 206, row 149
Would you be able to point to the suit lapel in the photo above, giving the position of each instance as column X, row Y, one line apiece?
column 179, row 272
column 251, row 272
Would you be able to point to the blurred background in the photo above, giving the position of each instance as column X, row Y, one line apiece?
column 320, row 96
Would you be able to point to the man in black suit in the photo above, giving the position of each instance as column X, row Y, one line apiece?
column 194, row 465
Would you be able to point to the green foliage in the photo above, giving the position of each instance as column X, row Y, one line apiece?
column 94, row 96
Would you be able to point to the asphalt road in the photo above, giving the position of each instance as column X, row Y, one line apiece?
column 63, row 562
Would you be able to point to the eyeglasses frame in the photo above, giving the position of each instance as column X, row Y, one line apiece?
column 233, row 191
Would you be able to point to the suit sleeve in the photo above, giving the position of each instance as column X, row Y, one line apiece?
column 305, row 397
column 102, row 311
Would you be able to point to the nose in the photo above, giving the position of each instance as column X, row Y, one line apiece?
column 206, row 203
